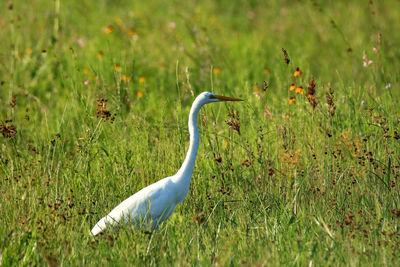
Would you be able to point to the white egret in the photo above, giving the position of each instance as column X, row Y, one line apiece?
column 155, row 203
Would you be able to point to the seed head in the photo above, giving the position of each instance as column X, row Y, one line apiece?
column 329, row 101
column 312, row 99
column 285, row 54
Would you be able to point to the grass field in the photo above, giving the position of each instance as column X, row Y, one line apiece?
column 94, row 99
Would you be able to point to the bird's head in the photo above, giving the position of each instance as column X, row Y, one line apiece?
column 208, row 97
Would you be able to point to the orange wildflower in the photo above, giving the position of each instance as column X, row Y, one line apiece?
column 140, row 94
column 292, row 87
column 291, row 100
column 142, row 79
column 297, row 72
column 108, row 29
column 131, row 32
column 100, row 54
column 299, row 90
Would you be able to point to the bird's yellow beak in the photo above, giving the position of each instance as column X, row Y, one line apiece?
column 225, row 98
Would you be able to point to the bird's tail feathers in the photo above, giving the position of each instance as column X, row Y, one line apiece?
column 99, row 227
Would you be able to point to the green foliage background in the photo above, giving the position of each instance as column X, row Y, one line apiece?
column 298, row 186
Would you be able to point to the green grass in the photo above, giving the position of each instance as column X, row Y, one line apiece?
column 299, row 185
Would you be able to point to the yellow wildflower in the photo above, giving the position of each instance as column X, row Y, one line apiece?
column 118, row 21
column 142, row 79
column 86, row 71
column 117, row 67
column 216, row 70
column 125, row 78
column 29, row 51
column 226, row 144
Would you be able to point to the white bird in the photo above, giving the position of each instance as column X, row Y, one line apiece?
column 156, row 202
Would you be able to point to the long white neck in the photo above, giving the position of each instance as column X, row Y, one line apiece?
column 183, row 176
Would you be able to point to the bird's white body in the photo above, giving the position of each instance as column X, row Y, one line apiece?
column 156, row 202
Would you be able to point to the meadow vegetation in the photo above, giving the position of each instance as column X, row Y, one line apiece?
column 94, row 99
